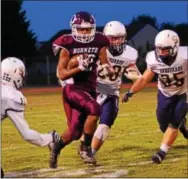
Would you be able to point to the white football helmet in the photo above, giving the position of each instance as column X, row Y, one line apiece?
column 12, row 72
column 116, row 33
column 167, row 43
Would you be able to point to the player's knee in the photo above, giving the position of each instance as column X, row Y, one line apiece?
column 75, row 134
column 102, row 132
column 93, row 108
column 175, row 124
column 163, row 128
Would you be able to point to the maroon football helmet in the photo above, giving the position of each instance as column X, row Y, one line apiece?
column 80, row 21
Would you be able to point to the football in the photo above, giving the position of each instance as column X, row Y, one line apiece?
column 73, row 62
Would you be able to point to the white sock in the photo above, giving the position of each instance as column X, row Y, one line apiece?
column 164, row 147
column 93, row 151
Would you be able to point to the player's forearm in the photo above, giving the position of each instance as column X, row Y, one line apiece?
column 142, row 82
column 66, row 74
column 138, row 85
column 103, row 56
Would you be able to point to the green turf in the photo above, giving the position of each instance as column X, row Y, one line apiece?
column 135, row 136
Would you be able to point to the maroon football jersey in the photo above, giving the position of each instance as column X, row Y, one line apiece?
column 87, row 80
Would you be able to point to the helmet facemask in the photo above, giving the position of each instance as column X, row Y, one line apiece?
column 166, row 46
column 117, row 44
column 78, row 33
column 166, row 54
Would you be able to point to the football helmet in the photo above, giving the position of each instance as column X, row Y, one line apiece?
column 166, row 45
column 80, row 21
column 116, row 33
column 12, row 72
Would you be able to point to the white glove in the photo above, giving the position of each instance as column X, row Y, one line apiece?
column 84, row 61
column 107, row 69
column 133, row 73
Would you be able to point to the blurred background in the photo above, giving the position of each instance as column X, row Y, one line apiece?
column 28, row 29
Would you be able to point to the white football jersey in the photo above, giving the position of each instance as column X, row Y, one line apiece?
column 172, row 79
column 11, row 100
column 111, row 85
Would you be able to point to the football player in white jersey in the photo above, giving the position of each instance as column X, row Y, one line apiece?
column 122, row 58
column 13, row 103
column 170, row 62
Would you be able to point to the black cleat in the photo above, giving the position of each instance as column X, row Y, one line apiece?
column 183, row 129
column 86, row 154
column 158, row 157
column 53, row 159
column 53, row 154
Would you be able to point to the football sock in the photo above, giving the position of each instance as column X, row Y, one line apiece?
column 87, row 139
column 164, row 148
column 93, row 151
column 82, row 143
column 59, row 146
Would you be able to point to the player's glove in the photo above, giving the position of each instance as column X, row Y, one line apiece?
column 132, row 73
column 84, row 62
column 107, row 69
column 126, row 96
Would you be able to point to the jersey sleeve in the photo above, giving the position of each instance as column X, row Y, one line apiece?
column 18, row 98
column 134, row 57
column 16, row 102
column 149, row 61
column 131, row 55
column 14, row 107
column 15, row 114
column 59, row 44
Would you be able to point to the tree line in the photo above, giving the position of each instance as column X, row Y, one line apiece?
column 20, row 41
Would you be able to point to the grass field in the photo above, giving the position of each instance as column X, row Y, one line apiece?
column 134, row 138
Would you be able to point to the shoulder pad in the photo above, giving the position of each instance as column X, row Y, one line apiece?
column 183, row 52
column 130, row 54
column 63, row 40
column 100, row 37
column 150, row 57
column 18, row 97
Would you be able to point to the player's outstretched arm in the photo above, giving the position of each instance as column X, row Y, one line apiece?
column 143, row 81
column 139, row 84
column 29, row 135
column 62, row 71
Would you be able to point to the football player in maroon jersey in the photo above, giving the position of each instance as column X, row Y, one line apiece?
column 79, row 97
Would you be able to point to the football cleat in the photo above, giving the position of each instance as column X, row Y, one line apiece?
column 53, row 154
column 53, row 159
column 158, row 157
column 86, row 154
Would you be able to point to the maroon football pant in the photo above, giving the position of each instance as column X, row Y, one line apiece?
column 78, row 104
